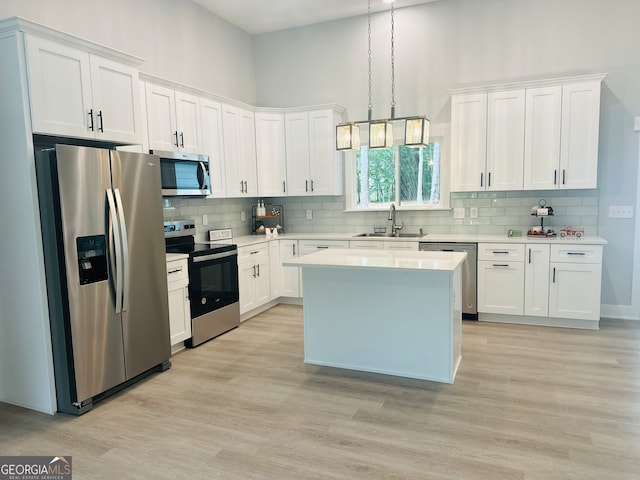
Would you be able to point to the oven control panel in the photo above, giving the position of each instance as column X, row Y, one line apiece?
column 179, row 228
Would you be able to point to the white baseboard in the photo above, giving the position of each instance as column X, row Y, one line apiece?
column 620, row 312
column 540, row 321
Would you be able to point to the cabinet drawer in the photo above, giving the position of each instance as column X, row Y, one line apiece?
column 310, row 246
column 501, row 251
column 367, row 245
column 401, row 246
column 253, row 253
column 178, row 270
column 576, row 253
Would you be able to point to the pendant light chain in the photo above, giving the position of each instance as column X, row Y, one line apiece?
column 370, row 106
column 393, row 69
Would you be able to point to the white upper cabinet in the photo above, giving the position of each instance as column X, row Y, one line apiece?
column 579, row 135
column 239, row 140
column 211, row 115
column 542, row 137
column 468, row 142
column 270, row 154
column 75, row 93
column 173, row 120
column 538, row 135
column 505, row 140
column 314, row 166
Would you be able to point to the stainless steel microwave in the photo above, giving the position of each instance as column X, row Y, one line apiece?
column 184, row 174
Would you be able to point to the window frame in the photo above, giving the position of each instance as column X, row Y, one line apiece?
column 439, row 131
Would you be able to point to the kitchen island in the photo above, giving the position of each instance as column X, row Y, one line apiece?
column 391, row 312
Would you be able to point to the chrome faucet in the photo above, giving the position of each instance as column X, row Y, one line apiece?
column 392, row 217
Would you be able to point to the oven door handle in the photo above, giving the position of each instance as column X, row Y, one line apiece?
column 214, row 256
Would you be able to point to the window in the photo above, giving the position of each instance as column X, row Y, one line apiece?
column 411, row 178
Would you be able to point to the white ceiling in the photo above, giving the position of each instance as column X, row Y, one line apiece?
column 262, row 16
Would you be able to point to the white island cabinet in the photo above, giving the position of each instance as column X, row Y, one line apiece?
column 391, row 312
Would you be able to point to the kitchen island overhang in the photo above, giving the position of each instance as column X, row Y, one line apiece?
column 391, row 312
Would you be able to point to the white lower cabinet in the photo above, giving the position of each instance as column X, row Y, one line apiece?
column 275, row 269
column 179, row 313
column 575, row 281
column 253, row 276
column 401, row 246
column 501, row 278
column 536, row 280
column 289, row 276
column 561, row 281
column 367, row 244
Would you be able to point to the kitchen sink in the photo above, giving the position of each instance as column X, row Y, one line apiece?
column 389, row 235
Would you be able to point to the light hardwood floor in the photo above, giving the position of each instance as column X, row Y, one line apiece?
column 530, row 403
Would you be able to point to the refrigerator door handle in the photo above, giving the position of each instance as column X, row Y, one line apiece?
column 115, row 230
column 125, row 251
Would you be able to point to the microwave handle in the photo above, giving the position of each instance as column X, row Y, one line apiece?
column 202, row 179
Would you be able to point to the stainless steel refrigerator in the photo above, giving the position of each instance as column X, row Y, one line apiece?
column 102, row 227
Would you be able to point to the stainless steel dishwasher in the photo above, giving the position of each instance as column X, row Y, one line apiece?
column 469, row 273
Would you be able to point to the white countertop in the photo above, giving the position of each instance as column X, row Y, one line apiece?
column 380, row 259
column 176, row 256
column 245, row 240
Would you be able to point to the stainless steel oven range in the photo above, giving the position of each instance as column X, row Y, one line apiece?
column 213, row 281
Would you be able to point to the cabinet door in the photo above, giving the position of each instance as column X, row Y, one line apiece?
column 188, row 123
column 263, row 286
column 468, row 142
column 325, row 166
column 247, row 151
column 211, row 120
column 275, row 269
column 536, row 280
column 501, row 287
column 575, row 290
column 179, row 315
column 161, row 118
column 543, row 108
column 230, row 126
column 290, row 276
column 579, row 135
column 59, row 89
column 270, row 154
column 116, row 100
column 505, row 140
column 247, row 285
column 297, row 152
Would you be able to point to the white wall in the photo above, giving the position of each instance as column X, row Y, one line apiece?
column 178, row 39
column 458, row 43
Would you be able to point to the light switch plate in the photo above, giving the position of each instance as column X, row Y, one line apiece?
column 243, row 217
column 458, row 212
column 205, row 220
column 473, row 212
column 309, row 214
column 620, row 211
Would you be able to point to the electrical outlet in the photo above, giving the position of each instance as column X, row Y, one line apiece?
column 205, row 220
column 309, row 214
column 473, row 212
column 458, row 212
column 243, row 217
column 620, row 211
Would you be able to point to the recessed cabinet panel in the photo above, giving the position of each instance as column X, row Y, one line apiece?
column 501, row 287
column 188, row 123
column 270, row 154
column 161, row 117
column 580, row 130
column 575, row 290
column 536, row 280
column 59, row 88
column 297, row 148
column 505, row 140
column 211, row 115
column 542, row 138
column 468, row 142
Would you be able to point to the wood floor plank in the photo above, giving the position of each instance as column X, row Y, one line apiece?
column 529, row 403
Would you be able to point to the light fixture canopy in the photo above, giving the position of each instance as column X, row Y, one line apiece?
column 416, row 132
column 348, row 136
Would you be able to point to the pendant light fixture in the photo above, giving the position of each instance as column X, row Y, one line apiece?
column 381, row 131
